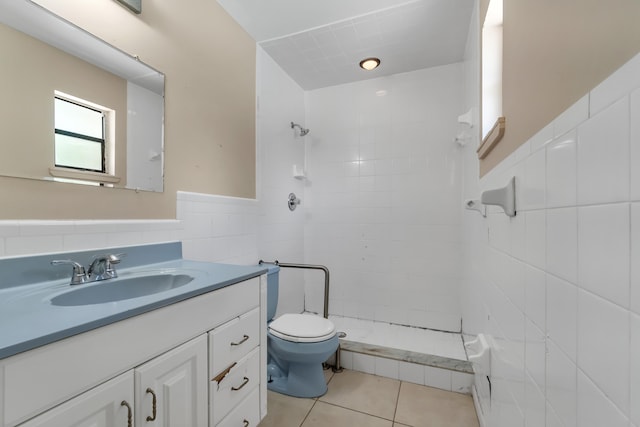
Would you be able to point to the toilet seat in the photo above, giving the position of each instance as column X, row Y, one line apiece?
column 302, row 328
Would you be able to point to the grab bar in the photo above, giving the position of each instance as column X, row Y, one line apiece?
column 309, row 267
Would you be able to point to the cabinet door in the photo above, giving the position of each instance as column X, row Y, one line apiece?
column 108, row 405
column 171, row 390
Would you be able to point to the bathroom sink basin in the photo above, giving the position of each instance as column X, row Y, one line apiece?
column 121, row 289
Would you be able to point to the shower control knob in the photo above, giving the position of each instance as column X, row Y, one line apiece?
column 293, row 202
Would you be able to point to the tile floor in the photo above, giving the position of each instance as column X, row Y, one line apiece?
column 357, row 399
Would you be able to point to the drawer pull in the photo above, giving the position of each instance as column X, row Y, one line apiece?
column 129, row 413
column 244, row 383
column 244, row 338
column 153, row 405
column 245, row 423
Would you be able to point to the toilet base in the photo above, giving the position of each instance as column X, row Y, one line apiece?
column 302, row 380
column 295, row 369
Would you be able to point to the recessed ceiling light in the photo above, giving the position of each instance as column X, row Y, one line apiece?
column 369, row 63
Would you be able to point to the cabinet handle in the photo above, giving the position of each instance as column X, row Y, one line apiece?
column 245, row 423
column 244, row 338
column 153, row 405
column 244, row 383
column 129, row 413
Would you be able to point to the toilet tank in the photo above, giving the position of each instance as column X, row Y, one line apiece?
column 273, row 276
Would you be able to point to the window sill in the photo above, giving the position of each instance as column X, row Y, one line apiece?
column 74, row 174
column 491, row 140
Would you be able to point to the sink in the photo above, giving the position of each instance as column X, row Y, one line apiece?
column 121, row 289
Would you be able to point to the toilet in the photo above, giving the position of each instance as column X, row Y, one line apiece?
column 297, row 345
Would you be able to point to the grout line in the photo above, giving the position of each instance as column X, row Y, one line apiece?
column 355, row 410
column 395, row 412
column 309, row 412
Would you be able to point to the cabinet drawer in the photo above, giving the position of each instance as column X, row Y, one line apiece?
column 233, row 340
column 247, row 413
column 242, row 379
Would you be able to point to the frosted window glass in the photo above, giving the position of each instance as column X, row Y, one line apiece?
column 78, row 153
column 78, row 119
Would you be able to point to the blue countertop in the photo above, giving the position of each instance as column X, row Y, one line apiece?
column 28, row 319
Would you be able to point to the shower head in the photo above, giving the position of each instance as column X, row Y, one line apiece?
column 303, row 131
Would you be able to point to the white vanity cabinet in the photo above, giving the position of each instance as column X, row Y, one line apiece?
column 108, row 405
column 169, row 352
column 170, row 390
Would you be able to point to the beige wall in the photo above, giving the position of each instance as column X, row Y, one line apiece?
column 209, row 63
column 554, row 53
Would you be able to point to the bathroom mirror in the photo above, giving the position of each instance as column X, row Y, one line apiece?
column 46, row 60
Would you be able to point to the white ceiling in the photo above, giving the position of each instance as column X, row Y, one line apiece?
column 319, row 43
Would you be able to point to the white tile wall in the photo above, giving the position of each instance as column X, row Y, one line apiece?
column 561, row 171
column 383, row 197
column 581, row 253
column 603, row 153
column 19, row 238
column 603, row 251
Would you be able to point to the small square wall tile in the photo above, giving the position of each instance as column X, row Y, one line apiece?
column 437, row 377
column 535, row 238
column 542, row 138
column 535, row 354
column 603, row 251
column 364, row 363
column 634, row 356
column 552, row 419
column 386, row 368
column 635, row 145
column 535, row 296
column 561, row 171
column 533, row 192
column 562, row 314
column 603, row 335
column 561, row 385
column 603, row 156
column 346, row 359
column 9, row 228
column 461, row 382
column 594, row 408
column 562, row 243
column 31, row 245
column 411, row 372
column 571, row 117
column 535, row 405
column 46, row 228
column 635, row 258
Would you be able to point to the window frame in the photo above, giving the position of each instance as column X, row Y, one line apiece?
column 102, row 141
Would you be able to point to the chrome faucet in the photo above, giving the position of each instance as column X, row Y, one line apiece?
column 101, row 268
column 79, row 276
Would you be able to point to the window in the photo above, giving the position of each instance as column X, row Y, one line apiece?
column 80, row 140
column 492, row 67
column 493, row 122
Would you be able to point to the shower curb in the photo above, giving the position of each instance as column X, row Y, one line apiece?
column 432, row 360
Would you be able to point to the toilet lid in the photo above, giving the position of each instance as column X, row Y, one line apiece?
column 302, row 328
